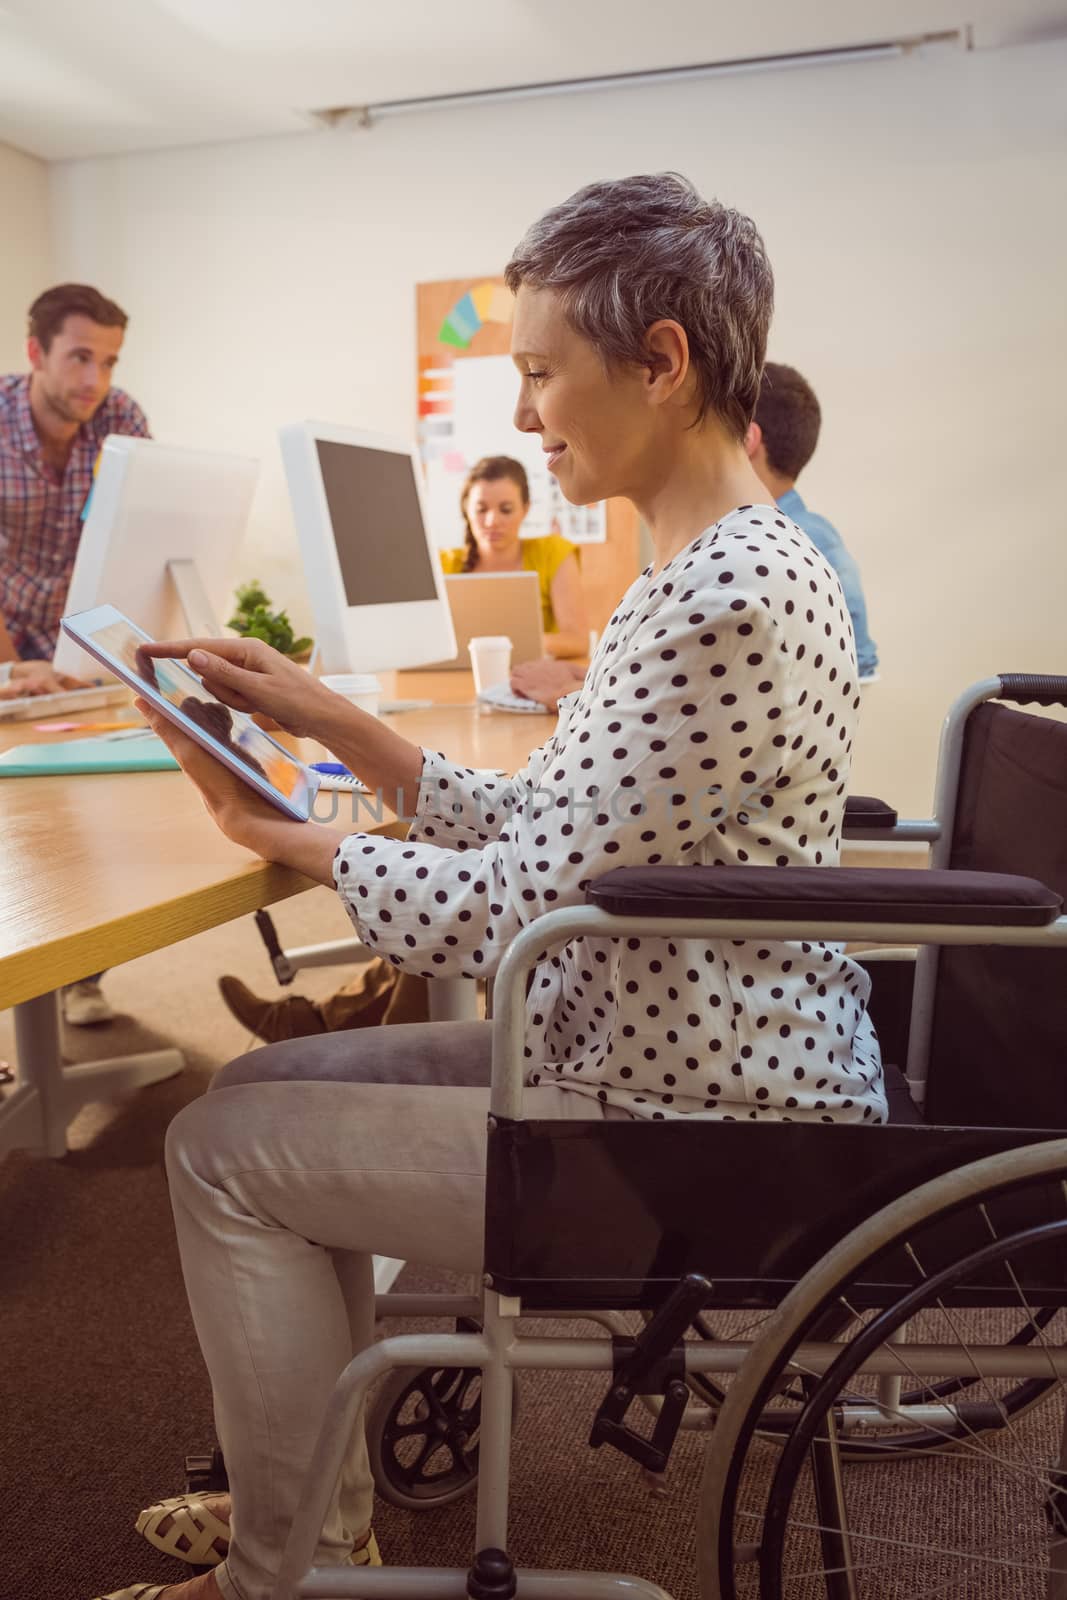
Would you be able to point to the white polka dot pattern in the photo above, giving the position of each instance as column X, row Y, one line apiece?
column 714, row 726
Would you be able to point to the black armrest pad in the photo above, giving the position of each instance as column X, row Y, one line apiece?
column 864, row 811
column 840, row 894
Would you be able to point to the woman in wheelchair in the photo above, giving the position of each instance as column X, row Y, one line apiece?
column 714, row 726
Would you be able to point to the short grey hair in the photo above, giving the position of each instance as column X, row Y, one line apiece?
column 626, row 253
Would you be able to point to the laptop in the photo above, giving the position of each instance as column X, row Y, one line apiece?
column 493, row 602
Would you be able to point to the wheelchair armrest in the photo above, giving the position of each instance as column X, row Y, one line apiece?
column 864, row 811
column 844, row 894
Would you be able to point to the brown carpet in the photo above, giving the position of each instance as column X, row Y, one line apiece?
column 102, row 1390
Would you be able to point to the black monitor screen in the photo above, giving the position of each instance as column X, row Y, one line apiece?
column 377, row 524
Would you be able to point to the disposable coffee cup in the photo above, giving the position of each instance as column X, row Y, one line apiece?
column 490, row 661
column 360, row 689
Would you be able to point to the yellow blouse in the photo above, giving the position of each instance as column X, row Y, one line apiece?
column 543, row 556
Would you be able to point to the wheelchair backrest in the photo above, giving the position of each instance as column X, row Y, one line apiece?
column 998, row 1048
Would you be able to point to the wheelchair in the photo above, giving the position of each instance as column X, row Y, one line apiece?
column 908, row 1281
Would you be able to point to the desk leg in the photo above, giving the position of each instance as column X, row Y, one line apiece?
column 453, row 1000
column 40, row 1069
column 49, row 1094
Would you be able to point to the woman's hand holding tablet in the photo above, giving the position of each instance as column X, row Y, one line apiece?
column 249, row 676
column 245, row 778
column 176, row 697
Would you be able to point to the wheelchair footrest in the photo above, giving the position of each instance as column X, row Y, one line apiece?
column 206, row 1473
column 652, row 1363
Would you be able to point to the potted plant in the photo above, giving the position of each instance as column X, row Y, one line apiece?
column 254, row 619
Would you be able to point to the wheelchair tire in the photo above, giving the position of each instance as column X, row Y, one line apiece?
column 751, row 1511
column 422, row 1435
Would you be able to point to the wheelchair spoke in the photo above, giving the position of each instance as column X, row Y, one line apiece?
column 971, row 1441
column 955, row 1327
column 974, row 1557
column 971, row 1513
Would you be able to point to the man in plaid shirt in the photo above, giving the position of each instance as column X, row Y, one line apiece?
column 53, row 421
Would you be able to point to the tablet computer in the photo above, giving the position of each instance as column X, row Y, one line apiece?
column 231, row 736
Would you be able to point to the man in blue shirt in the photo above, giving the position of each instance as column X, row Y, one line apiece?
column 781, row 441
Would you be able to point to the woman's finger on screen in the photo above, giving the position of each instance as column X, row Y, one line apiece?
column 253, row 654
column 273, row 686
column 241, row 650
column 238, row 686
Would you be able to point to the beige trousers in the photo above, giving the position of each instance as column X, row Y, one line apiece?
column 306, row 1159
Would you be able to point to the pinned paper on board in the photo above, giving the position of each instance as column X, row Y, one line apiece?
column 472, row 416
column 484, row 391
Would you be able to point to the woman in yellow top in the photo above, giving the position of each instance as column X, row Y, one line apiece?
column 494, row 502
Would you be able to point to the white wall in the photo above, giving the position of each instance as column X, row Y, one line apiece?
column 914, row 211
column 26, row 255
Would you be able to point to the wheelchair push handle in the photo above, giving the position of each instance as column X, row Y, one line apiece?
column 1032, row 688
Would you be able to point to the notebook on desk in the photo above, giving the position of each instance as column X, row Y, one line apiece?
column 139, row 753
column 493, row 602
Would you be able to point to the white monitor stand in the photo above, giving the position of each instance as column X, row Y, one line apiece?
column 201, row 619
column 374, row 577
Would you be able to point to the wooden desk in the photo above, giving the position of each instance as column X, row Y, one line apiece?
column 98, row 869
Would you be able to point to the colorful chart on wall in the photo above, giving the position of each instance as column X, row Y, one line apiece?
column 465, row 412
column 489, row 302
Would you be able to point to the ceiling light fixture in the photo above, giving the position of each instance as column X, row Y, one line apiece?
column 365, row 116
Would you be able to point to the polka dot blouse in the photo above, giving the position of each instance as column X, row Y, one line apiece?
column 714, row 726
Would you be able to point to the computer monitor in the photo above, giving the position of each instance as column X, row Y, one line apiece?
column 374, row 578
column 160, row 540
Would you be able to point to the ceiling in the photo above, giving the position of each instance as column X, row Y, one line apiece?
column 92, row 77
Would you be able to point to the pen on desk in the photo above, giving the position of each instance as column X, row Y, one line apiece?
column 80, row 727
column 331, row 769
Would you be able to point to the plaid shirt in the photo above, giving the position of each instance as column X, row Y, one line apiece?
column 41, row 512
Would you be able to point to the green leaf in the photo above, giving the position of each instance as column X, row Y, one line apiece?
column 251, row 595
column 254, row 619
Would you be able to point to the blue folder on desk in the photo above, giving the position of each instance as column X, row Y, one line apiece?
column 147, row 754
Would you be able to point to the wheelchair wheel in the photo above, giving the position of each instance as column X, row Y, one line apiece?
column 987, row 1517
column 422, row 1435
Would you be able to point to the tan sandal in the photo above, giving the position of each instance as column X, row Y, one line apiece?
column 200, row 1538
column 368, row 1555
column 137, row 1591
column 194, row 1533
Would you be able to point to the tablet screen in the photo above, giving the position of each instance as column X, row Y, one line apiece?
column 229, row 734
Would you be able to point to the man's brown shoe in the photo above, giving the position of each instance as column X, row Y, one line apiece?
column 291, row 1017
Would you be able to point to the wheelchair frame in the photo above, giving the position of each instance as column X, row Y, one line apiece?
column 500, row 1352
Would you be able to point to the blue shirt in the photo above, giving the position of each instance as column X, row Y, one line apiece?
column 829, row 543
